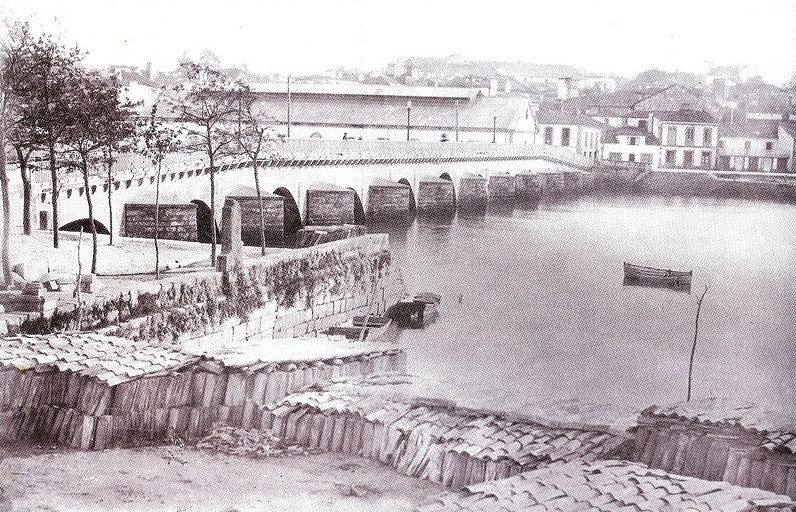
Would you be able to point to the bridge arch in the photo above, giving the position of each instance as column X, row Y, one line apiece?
column 75, row 225
column 204, row 222
column 292, row 219
column 412, row 203
column 359, row 210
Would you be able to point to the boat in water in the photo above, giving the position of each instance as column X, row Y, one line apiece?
column 638, row 275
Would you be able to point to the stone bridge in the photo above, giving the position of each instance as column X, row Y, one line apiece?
column 311, row 181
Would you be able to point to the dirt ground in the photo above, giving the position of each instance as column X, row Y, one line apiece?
column 177, row 479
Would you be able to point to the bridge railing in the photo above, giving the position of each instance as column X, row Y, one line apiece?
column 311, row 150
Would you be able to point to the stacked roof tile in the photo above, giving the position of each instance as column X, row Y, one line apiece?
column 716, row 439
column 606, row 486
column 432, row 438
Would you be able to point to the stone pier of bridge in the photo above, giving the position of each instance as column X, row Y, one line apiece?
column 322, row 183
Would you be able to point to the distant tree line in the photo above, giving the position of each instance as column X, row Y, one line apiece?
column 54, row 108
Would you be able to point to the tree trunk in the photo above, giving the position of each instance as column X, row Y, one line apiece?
column 54, row 194
column 157, row 222
column 110, row 199
column 260, row 202
column 27, row 191
column 212, row 209
column 6, row 258
column 84, row 169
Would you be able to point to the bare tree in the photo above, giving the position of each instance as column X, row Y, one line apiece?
column 46, row 93
column 254, row 140
column 119, row 130
column 159, row 141
column 694, row 346
column 94, row 104
column 206, row 105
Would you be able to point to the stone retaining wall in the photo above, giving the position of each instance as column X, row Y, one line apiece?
column 175, row 221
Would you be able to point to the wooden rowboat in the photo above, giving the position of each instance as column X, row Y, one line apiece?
column 649, row 276
column 378, row 329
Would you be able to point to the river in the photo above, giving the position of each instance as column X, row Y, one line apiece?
column 544, row 314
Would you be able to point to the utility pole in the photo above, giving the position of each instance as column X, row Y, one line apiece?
column 457, row 120
column 408, row 117
column 288, row 106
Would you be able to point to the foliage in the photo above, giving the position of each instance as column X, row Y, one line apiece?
column 206, row 104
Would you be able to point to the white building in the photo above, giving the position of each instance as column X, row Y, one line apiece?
column 688, row 139
column 632, row 144
column 757, row 146
column 390, row 112
column 581, row 133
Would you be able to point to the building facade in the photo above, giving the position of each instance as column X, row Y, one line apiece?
column 581, row 133
column 757, row 146
column 689, row 139
column 632, row 144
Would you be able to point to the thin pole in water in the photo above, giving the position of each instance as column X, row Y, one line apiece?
column 693, row 347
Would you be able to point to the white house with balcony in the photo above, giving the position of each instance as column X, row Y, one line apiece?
column 689, row 139
column 631, row 144
column 757, row 146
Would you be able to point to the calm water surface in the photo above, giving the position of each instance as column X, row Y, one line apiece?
column 544, row 315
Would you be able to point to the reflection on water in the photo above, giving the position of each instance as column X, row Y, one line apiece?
column 544, row 313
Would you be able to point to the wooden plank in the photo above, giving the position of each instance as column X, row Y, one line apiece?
column 102, row 437
column 236, row 388
column 338, row 433
column 731, row 470
column 790, row 488
column 316, row 429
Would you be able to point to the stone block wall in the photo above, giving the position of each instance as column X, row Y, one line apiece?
column 330, row 206
column 473, row 193
column 280, row 295
column 436, row 196
column 388, row 200
column 529, row 185
column 501, row 186
column 274, row 214
column 175, row 221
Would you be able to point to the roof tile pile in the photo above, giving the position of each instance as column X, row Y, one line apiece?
column 778, row 430
column 431, row 438
column 609, row 485
column 111, row 360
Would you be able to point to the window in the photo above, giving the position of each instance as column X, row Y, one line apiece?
column 565, row 136
column 707, row 136
column 688, row 158
column 642, row 124
column 747, row 146
column 614, row 157
column 632, row 141
column 782, row 165
column 548, row 135
column 689, row 136
column 705, row 159
column 44, row 220
column 631, row 157
column 754, row 163
column 671, row 136
column 769, row 146
column 671, row 157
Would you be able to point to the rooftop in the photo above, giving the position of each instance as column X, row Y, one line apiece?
column 609, row 485
column 357, row 89
column 569, row 118
column 686, row 116
column 760, row 129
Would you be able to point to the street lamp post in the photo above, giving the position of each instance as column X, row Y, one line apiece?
column 494, row 129
column 408, row 117
column 457, row 120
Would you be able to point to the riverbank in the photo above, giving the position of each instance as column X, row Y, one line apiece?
column 170, row 478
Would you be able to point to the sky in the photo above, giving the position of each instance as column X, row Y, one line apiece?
column 622, row 37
